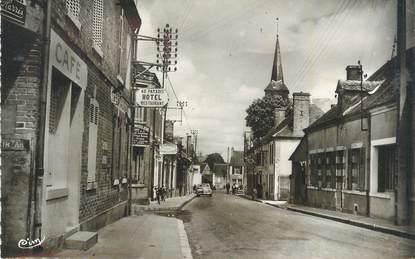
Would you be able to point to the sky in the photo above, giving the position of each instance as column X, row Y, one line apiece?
column 226, row 49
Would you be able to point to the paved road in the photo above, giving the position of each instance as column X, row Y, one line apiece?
column 227, row 226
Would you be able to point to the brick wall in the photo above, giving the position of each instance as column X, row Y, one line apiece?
column 102, row 76
column 20, row 81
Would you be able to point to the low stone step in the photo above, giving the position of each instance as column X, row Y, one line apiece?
column 81, row 240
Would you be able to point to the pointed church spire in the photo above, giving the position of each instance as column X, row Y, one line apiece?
column 277, row 65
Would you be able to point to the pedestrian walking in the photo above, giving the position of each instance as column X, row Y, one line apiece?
column 228, row 186
column 254, row 193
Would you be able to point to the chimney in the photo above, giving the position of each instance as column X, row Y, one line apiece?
column 279, row 115
column 301, row 107
column 353, row 72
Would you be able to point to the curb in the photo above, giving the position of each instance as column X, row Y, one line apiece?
column 185, row 203
column 373, row 227
column 184, row 241
column 149, row 210
column 250, row 199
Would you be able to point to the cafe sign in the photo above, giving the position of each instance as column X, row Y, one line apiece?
column 151, row 97
column 14, row 10
column 141, row 135
column 64, row 59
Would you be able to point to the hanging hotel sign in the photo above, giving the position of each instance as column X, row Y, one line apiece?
column 141, row 135
column 151, row 97
column 14, row 10
column 168, row 149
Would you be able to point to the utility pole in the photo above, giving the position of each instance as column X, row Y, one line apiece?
column 167, row 50
column 362, row 76
column 403, row 134
column 166, row 42
column 194, row 133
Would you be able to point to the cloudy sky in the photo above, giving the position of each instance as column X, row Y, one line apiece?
column 226, row 51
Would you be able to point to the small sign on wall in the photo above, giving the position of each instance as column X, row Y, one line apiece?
column 141, row 135
column 8, row 144
column 14, row 10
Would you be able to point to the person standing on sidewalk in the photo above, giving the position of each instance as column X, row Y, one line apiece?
column 228, row 186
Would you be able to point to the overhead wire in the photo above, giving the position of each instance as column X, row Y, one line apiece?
column 201, row 32
column 316, row 45
column 325, row 43
column 322, row 53
column 183, row 23
column 174, row 92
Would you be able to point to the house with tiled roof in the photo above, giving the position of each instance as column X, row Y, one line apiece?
column 236, row 168
column 269, row 168
column 347, row 159
column 220, row 171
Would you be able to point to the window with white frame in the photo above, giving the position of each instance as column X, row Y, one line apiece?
column 73, row 8
column 386, row 168
column 98, row 19
column 141, row 115
column 63, row 103
column 92, row 139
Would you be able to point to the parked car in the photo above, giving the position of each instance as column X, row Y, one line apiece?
column 204, row 189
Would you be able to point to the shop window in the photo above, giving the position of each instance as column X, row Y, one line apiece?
column 73, row 8
column 356, row 169
column 314, row 171
column 98, row 19
column 340, row 166
column 386, row 168
column 59, row 91
column 330, row 170
column 92, row 139
column 63, row 103
column 320, row 170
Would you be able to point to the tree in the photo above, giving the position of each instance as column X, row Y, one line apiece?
column 260, row 114
column 214, row 158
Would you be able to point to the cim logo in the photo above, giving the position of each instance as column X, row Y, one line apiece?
column 27, row 243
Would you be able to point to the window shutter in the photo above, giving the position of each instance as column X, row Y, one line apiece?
column 53, row 110
column 98, row 18
column 73, row 7
column 92, row 140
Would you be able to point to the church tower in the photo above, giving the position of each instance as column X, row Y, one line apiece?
column 276, row 87
column 276, row 91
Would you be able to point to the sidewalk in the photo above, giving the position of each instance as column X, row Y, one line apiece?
column 171, row 204
column 379, row 225
column 147, row 236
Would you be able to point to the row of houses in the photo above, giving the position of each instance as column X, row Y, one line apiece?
column 348, row 159
column 355, row 157
column 221, row 173
column 267, row 159
column 76, row 149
